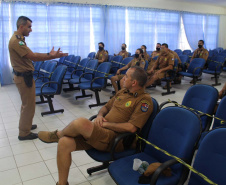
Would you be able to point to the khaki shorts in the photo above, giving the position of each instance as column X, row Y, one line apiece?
column 101, row 139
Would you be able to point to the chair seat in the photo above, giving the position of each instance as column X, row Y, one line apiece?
column 67, row 77
column 45, row 90
column 76, row 80
column 39, row 84
column 130, row 176
column 186, row 74
column 87, row 85
column 210, row 71
column 106, row 156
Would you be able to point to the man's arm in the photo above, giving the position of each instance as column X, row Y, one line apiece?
column 45, row 56
column 120, row 127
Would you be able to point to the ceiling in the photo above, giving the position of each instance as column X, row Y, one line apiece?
column 221, row 3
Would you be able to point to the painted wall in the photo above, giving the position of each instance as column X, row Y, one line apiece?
column 164, row 4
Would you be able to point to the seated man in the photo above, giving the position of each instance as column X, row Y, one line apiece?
column 123, row 53
column 201, row 52
column 151, row 61
column 137, row 61
column 164, row 62
column 127, row 111
column 145, row 54
column 101, row 55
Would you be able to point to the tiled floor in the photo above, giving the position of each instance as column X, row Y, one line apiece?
column 34, row 162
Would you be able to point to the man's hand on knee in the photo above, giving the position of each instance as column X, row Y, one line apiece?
column 99, row 120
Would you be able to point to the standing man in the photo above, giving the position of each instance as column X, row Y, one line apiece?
column 123, row 53
column 127, row 111
column 102, row 55
column 21, row 58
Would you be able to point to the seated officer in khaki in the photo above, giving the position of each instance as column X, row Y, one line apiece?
column 101, row 55
column 137, row 61
column 123, row 53
column 145, row 54
column 155, row 53
column 164, row 62
column 201, row 52
column 127, row 111
column 21, row 58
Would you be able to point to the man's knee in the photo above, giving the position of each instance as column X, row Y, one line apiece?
column 82, row 125
column 66, row 144
column 114, row 78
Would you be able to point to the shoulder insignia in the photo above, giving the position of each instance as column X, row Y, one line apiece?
column 18, row 36
column 21, row 43
column 165, row 59
column 127, row 104
column 144, row 106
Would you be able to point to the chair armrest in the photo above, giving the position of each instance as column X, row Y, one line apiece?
column 96, row 79
column 197, row 69
column 48, row 83
column 160, row 169
column 83, row 74
column 166, row 102
column 92, row 117
column 117, row 139
column 73, row 72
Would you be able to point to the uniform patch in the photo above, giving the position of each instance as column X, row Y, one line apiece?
column 21, row 43
column 144, row 106
column 101, row 55
column 128, row 103
column 165, row 59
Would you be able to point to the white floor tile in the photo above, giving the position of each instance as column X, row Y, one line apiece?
column 4, row 142
column 5, row 152
column 7, row 163
column 10, row 177
column 28, row 158
column 48, row 153
column 103, row 180
column 45, row 180
column 21, row 148
column 81, row 158
column 33, row 171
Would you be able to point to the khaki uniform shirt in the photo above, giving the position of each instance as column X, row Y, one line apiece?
column 146, row 56
column 134, row 108
column 134, row 62
column 151, row 60
column 164, row 61
column 102, row 56
column 175, row 56
column 124, row 54
column 17, row 50
column 200, row 53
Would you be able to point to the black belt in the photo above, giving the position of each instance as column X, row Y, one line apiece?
column 28, row 77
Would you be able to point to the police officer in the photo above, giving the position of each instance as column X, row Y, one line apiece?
column 102, row 55
column 123, row 53
column 164, row 62
column 145, row 54
column 137, row 61
column 201, row 52
column 155, row 53
column 21, row 60
column 127, row 111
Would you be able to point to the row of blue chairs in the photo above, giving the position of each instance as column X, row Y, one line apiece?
column 177, row 130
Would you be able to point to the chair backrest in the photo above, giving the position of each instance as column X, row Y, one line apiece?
column 201, row 98
column 81, row 66
column 91, row 55
column 183, row 58
column 74, row 63
column 102, row 71
column 116, row 60
column 68, row 59
column 129, row 54
column 146, row 65
column 90, row 68
column 210, row 159
column 49, row 70
column 149, row 53
column 220, row 113
column 196, row 63
column 124, row 63
column 177, row 131
column 179, row 52
column 186, row 52
column 110, row 57
column 37, row 65
column 58, row 76
column 145, row 130
column 61, row 60
column 155, row 58
column 217, row 64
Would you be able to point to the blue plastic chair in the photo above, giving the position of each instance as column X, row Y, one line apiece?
column 91, row 55
column 215, row 67
column 149, row 53
column 98, row 83
column 115, row 64
column 211, row 158
column 129, row 54
column 42, row 69
column 107, row 157
column 176, row 134
column 51, row 88
column 110, row 58
column 194, row 70
column 184, row 61
column 187, row 52
column 37, row 66
column 179, row 52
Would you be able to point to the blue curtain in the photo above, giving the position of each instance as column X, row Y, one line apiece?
column 201, row 27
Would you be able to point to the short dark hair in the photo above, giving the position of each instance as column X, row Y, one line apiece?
column 164, row 44
column 124, row 44
column 101, row 43
column 202, row 41
column 141, row 51
column 159, row 44
column 22, row 20
column 140, row 75
column 145, row 46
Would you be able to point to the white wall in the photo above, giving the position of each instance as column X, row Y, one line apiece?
column 165, row 4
